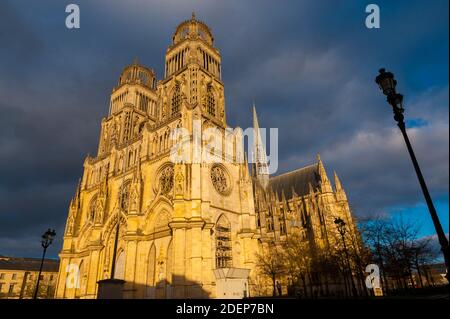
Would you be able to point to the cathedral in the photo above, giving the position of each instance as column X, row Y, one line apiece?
column 184, row 228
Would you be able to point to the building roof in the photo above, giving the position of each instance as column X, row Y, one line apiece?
column 298, row 180
column 438, row 267
column 194, row 27
column 29, row 264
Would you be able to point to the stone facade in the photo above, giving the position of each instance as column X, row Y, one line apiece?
column 167, row 223
column 18, row 277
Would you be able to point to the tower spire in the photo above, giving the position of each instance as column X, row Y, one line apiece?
column 283, row 198
column 325, row 184
column 259, row 153
column 340, row 193
column 104, row 187
column 78, row 194
column 337, row 182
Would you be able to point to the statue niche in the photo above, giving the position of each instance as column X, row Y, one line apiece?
column 99, row 209
column 134, row 197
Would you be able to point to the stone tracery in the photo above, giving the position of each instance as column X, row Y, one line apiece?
column 219, row 179
column 166, row 180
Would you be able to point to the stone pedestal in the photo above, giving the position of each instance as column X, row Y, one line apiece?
column 110, row 289
column 231, row 283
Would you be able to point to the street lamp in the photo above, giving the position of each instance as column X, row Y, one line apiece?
column 46, row 241
column 340, row 224
column 387, row 84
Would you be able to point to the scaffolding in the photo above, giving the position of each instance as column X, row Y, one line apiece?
column 223, row 247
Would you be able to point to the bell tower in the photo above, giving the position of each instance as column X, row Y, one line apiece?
column 192, row 76
column 133, row 103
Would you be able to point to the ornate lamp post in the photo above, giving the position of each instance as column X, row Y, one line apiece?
column 340, row 224
column 46, row 241
column 387, row 84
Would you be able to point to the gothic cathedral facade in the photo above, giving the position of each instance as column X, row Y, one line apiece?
column 169, row 226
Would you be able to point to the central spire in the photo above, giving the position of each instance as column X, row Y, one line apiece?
column 259, row 153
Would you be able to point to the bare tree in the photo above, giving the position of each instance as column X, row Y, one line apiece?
column 395, row 247
column 374, row 232
column 423, row 254
column 400, row 238
column 360, row 256
column 297, row 257
column 270, row 264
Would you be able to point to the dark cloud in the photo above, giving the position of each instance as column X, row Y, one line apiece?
column 309, row 66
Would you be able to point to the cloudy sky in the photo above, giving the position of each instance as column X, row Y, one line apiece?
column 309, row 66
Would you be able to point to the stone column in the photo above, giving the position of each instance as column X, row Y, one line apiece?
column 130, row 267
column 91, row 285
column 62, row 275
column 196, row 259
column 208, row 261
column 179, row 247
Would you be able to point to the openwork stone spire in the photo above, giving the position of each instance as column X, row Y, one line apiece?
column 324, row 181
column 340, row 193
column 259, row 153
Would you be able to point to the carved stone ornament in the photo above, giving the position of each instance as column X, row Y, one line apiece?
column 70, row 226
column 166, row 180
column 99, row 211
column 179, row 182
column 125, row 197
column 134, row 198
column 220, row 180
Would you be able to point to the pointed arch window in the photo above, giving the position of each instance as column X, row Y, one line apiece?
column 269, row 222
column 176, row 99
column 224, row 257
column 210, row 101
column 92, row 207
column 125, row 196
column 282, row 221
column 141, row 127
